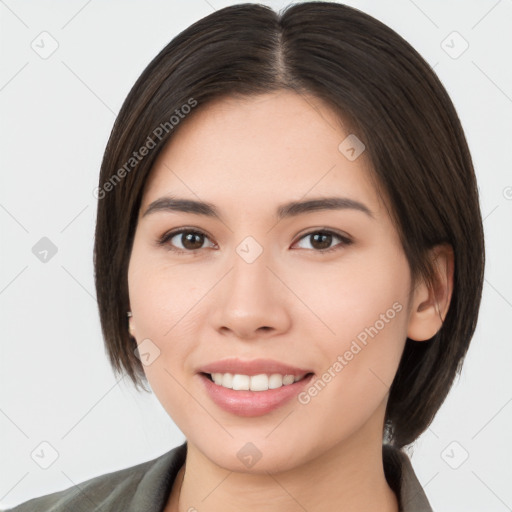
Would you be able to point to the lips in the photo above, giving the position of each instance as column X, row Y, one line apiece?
column 253, row 367
column 252, row 403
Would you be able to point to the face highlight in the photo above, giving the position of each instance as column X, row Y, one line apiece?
column 258, row 238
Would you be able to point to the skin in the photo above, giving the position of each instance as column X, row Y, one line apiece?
column 247, row 157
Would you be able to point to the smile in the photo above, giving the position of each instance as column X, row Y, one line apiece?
column 261, row 382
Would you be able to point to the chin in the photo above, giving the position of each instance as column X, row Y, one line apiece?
column 254, row 454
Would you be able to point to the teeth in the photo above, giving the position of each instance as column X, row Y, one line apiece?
column 261, row 382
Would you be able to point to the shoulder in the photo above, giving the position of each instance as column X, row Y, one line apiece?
column 141, row 487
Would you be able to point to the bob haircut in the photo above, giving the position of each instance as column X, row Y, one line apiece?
column 377, row 84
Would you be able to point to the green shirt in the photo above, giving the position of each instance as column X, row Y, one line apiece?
column 146, row 487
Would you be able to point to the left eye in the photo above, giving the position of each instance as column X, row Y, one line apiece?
column 322, row 240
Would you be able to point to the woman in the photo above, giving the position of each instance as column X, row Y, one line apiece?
column 289, row 249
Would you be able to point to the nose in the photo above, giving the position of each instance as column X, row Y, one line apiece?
column 252, row 302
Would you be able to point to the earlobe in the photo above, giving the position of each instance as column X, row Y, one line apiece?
column 430, row 304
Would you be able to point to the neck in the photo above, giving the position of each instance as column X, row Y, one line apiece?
column 348, row 477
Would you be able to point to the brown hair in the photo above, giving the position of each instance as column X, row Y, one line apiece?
column 370, row 77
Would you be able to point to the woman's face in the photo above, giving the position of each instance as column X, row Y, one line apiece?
column 323, row 290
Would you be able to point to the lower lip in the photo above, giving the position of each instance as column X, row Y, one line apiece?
column 252, row 403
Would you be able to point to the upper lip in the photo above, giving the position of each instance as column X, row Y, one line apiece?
column 252, row 367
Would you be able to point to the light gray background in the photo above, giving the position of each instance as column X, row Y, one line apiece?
column 56, row 115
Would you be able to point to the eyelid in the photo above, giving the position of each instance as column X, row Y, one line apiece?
column 325, row 229
column 344, row 237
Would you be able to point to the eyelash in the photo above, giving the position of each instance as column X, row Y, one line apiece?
column 166, row 237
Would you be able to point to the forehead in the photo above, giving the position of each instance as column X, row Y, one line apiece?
column 260, row 149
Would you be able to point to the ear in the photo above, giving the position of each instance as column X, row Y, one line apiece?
column 131, row 327
column 430, row 305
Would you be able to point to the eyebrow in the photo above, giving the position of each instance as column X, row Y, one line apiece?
column 291, row 209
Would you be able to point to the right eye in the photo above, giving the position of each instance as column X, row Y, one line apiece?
column 191, row 240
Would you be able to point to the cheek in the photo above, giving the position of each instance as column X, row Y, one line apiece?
column 363, row 303
column 163, row 314
column 166, row 304
column 362, row 290
column 162, row 296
